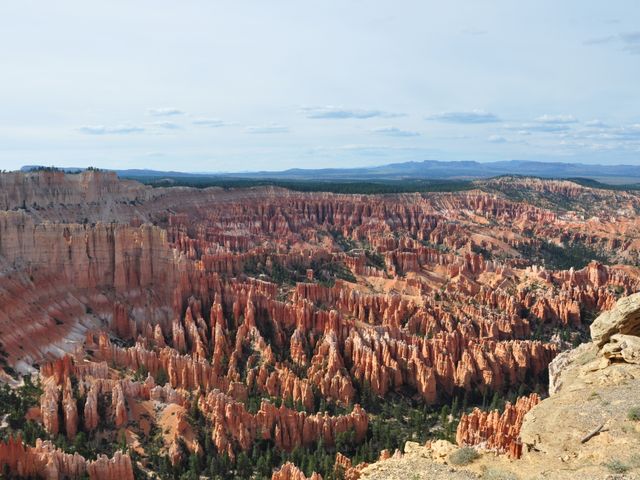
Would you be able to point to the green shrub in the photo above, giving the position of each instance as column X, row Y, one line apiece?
column 616, row 466
column 463, row 456
column 634, row 414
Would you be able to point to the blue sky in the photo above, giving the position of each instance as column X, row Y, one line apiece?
column 246, row 85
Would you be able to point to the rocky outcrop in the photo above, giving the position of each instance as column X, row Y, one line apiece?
column 623, row 319
column 44, row 188
column 49, row 408
column 343, row 467
column 234, row 427
column 89, row 256
column 70, row 410
column 45, row 461
column 624, row 348
column 289, row 471
column 91, row 418
column 118, row 406
column 494, row 430
column 118, row 467
column 424, row 462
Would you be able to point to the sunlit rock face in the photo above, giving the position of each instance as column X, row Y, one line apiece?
column 44, row 460
column 289, row 471
column 53, row 188
column 255, row 307
column 499, row 431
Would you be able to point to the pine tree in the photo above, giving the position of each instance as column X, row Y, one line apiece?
column 454, row 406
column 495, row 402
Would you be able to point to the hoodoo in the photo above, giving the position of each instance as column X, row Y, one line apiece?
column 295, row 335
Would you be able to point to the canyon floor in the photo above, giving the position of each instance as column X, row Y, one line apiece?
column 269, row 333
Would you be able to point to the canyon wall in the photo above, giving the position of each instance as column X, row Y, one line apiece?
column 44, row 188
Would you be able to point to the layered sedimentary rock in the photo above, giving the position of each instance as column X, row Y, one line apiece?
column 88, row 256
column 494, row 430
column 41, row 189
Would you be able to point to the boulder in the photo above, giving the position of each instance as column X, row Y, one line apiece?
column 624, row 318
column 622, row 348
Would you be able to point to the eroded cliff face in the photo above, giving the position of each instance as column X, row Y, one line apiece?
column 88, row 256
column 45, row 188
column 259, row 311
column 62, row 279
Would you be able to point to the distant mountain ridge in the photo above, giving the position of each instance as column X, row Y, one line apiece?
column 427, row 169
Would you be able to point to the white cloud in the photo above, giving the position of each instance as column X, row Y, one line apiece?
column 395, row 132
column 117, row 130
column 341, row 113
column 165, row 112
column 557, row 119
column 469, row 117
column 545, row 124
column 212, row 122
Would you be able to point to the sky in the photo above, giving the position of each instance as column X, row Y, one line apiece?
column 207, row 86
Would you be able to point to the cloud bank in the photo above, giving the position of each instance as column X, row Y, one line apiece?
column 102, row 130
column 468, row 117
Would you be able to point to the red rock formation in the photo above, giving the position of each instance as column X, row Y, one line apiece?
column 344, row 468
column 49, row 408
column 281, row 383
column 289, row 471
column 40, row 189
column 495, row 430
column 116, row 468
column 45, row 461
column 118, row 405
column 287, row 428
column 70, row 410
column 91, row 418
column 230, row 295
column 104, row 255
